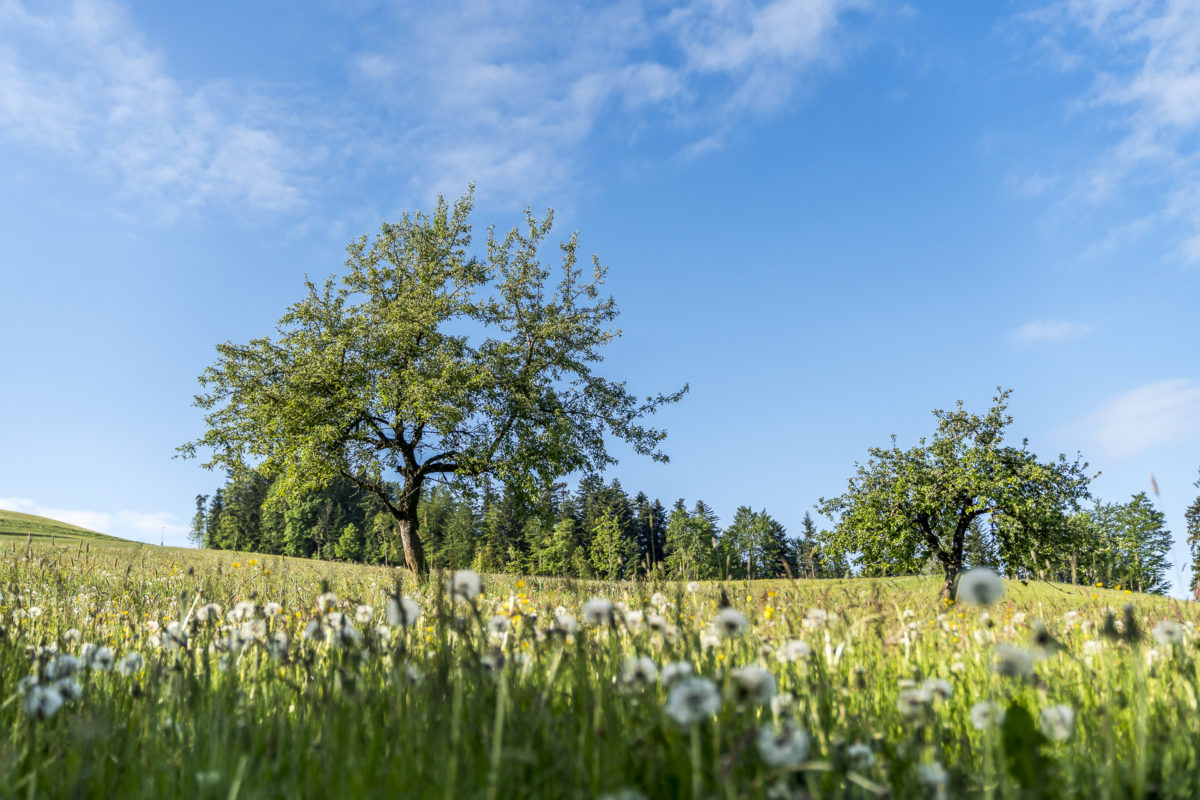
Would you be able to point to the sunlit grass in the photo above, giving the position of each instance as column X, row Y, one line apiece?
column 306, row 683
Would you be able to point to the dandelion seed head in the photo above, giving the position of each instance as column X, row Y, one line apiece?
column 639, row 672
column 130, row 663
column 675, row 671
column 465, row 585
column 1168, row 632
column 784, row 747
column 1057, row 722
column 691, row 700
column 1013, row 661
column 730, row 623
column 986, row 714
column 860, row 756
column 363, row 614
column 980, row 587
column 752, row 685
column 938, row 687
column 402, row 611
column 793, row 650
column 597, row 611
column 41, row 702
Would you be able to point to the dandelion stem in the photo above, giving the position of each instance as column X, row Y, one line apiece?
column 456, row 698
column 497, row 736
column 696, row 788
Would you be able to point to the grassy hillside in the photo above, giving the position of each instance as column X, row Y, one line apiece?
column 14, row 524
column 142, row 671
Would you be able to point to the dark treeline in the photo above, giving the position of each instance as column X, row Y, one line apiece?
column 601, row 531
column 597, row 531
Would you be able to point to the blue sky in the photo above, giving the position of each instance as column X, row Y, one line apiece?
column 829, row 217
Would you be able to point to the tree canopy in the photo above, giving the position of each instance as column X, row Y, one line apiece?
column 424, row 361
column 904, row 506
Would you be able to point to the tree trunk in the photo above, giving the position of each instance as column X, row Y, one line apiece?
column 950, row 588
column 410, row 539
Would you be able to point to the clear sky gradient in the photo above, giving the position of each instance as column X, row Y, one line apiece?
column 829, row 217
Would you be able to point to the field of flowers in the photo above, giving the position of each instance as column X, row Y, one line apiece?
column 150, row 672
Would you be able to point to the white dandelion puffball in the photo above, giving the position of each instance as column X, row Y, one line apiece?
column 465, row 585
column 363, row 614
column 709, row 639
column 912, row 703
column 130, row 663
column 932, row 774
column 597, row 611
column 272, row 609
column 860, row 755
column 938, row 687
column 402, row 611
column 753, row 685
column 980, row 587
column 784, row 747
column 658, row 600
column 639, row 671
column 635, row 620
column 691, row 700
column 692, row 587
column 676, row 671
column 41, row 702
column 499, row 625
column 815, row 618
column 63, row 666
column 985, row 715
column 1058, row 722
column 566, row 623
column 729, row 623
column 326, row 601
column 102, row 659
column 1168, row 632
column 1013, row 661
column 793, row 650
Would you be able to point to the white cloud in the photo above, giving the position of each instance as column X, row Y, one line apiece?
column 508, row 94
column 1049, row 330
column 1154, row 414
column 1144, row 59
column 137, row 525
column 81, row 82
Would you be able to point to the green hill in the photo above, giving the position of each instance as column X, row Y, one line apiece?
column 15, row 525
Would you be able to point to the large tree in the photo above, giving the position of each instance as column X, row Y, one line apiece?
column 424, row 361
column 904, row 506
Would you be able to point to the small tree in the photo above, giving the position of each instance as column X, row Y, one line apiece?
column 610, row 548
column 904, row 506
column 427, row 362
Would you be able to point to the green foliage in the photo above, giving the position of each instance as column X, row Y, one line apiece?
column 692, row 546
column 611, row 551
column 1192, row 518
column 1126, row 544
column 424, row 360
column 906, row 506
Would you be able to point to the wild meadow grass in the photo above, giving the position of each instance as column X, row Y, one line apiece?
column 148, row 672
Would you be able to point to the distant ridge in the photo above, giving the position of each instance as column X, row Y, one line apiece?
column 15, row 525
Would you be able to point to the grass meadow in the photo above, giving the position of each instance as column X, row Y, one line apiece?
column 136, row 671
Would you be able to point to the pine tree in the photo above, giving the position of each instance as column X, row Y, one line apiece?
column 979, row 548
column 1192, row 517
column 198, row 521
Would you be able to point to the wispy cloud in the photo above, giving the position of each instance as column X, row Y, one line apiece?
column 1154, row 414
column 1049, row 330
column 1144, row 59
column 509, row 94
column 81, row 82
column 139, row 525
